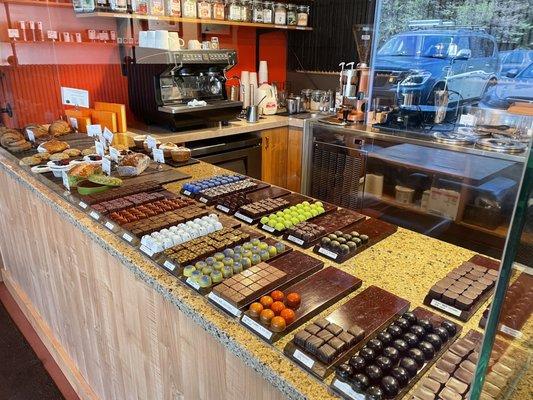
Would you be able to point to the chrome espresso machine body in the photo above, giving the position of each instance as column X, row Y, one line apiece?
column 161, row 84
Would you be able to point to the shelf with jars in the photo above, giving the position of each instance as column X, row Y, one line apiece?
column 252, row 13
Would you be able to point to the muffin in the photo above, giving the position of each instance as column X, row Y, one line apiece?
column 167, row 147
column 139, row 141
column 181, row 154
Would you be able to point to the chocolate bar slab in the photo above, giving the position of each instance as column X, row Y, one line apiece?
column 465, row 288
column 370, row 231
column 149, row 209
column 147, row 186
column 369, row 312
column 317, row 292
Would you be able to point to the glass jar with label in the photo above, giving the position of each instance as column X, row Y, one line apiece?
column 280, row 14
column 119, row 5
column 268, row 12
column 246, row 11
column 316, row 96
column 306, row 98
column 233, row 11
column 157, row 7
column 257, row 11
column 219, row 10
column 291, row 14
column 189, row 9
column 204, row 9
column 103, row 5
column 139, row 7
column 302, row 15
column 173, row 8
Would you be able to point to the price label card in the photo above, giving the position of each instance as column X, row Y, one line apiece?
column 159, row 156
column 99, row 148
column 243, row 217
column 327, row 253
column 186, row 193
column 66, row 182
column 223, row 208
column 224, row 304
column 94, row 130
column 168, row 265
column 192, row 284
column 106, row 165
column 13, row 33
column 303, row 358
column 114, row 154
column 203, row 200
column 445, row 307
column 31, row 135
column 82, row 205
column 94, row 215
column 347, row 390
column 52, row 35
column 256, row 327
column 295, row 240
column 73, row 122
column 511, row 332
column 109, row 225
column 146, row 250
column 108, row 135
column 151, row 142
column 268, row 228
column 127, row 237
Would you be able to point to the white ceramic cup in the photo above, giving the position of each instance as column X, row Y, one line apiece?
column 206, row 45
column 194, row 44
column 143, row 38
column 175, row 43
column 150, row 39
column 161, row 39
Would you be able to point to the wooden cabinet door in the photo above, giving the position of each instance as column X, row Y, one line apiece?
column 274, row 156
column 294, row 159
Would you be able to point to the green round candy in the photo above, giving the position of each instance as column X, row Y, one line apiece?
column 247, row 254
column 200, row 264
column 218, row 266
column 255, row 242
column 228, row 261
column 279, row 226
column 196, row 275
column 256, row 259
column 210, row 260
column 237, row 267
column 247, row 246
column 219, row 256
column 207, row 270
column 264, row 220
column 272, row 251
column 217, row 277
column 246, row 262
column 305, row 203
column 263, row 245
column 188, row 270
column 205, row 281
column 280, row 247
column 227, row 271
column 265, row 255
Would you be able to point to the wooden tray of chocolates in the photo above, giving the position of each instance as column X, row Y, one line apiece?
column 311, row 296
column 308, row 233
column 389, row 365
column 211, row 196
column 230, row 262
column 329, row 341
column 347, row 242
column 295, row 265
column 230, row 204
column 253, row 212
column 463, row 290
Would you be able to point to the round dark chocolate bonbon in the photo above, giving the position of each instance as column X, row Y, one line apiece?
column 450, row 327
column 384, row 363
column 411, row 339
column 435, row 340
column 401, row 375
column 424, row 323
column 409, row 365
column 403, row 323
column 409, row 316
column 360, row 382
column 417, row 330
column 442, row 333
column 384, row 337
column 367, row 353
column 345, row 371
column 358, row 363
column 392, row 353
column 375, row 344
column 428, row 349
column 374, row 393
column 390, row 386
column 394, row 330
column 417, row 355
column 374, row 373
column 400, row 345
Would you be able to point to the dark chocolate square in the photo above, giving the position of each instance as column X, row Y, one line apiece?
column 322, row 322
column 347, row 338
column 313, row 329
column 439, row 375
column 325, row 353
column 301, row 337
column 456, row 385
column 335, row 329
column 313, row 343
column 337, row 344
column 431, row 384
column 325, row 335
column 357, row 332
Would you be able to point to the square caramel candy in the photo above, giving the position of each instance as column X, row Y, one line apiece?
column 325, row 353
column 313, row 343
column 325, row 334
column 313, row 329
column 322, row 322
column 357, row 332
column 439, row 375
column 301, row 337
column 347, row 338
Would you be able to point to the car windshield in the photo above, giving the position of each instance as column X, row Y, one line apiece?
column 526, row 73
column 434, row 46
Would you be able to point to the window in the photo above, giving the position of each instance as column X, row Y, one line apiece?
column 481, row 47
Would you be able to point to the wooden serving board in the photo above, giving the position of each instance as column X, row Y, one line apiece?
column 292, row 198
column 375, row 229
column 318, row 292
column 334, row 221
column 260, row 194
column 345, row 391
column 464, row 315
column 371, row 310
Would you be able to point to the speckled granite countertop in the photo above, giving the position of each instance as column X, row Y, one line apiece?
column 406, row 263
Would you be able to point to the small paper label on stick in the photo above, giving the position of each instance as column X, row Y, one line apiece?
column 511, row 332
column 108, row 135
column 268, row 228
column 99, row 148
column 146, row 250
column 109, row 225
column 243, row 217
column 94, row 215
column 347, row 390
column 224, row 304
column 327, row 253
column 256, row 327
column 192, row 283
column 82, row 205
column 127, row 237
column 186, row 193
column 223, row 208
column 303, row 358
column 159, row 156
column 445, row 307
column 151, row 142
column 295, row 240
column 168, row 265
column 114, row 154
column 106, row 166
column 94, row 130
column 203, row 200
column 31, row 135
column 66, row 183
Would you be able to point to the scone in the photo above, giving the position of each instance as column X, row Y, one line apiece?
column 30, row 161
column 59, row 156
column 55, row 146
column 43, row 156
column 90, row 150
column 72, row 152
column 20, row 147
column 59, row 128
column 38, row 131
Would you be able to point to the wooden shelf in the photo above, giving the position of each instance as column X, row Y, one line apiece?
column 191, row 20
column 38, row 3
column 49, row 42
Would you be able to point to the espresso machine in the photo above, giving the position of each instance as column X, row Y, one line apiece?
column 183, row 89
